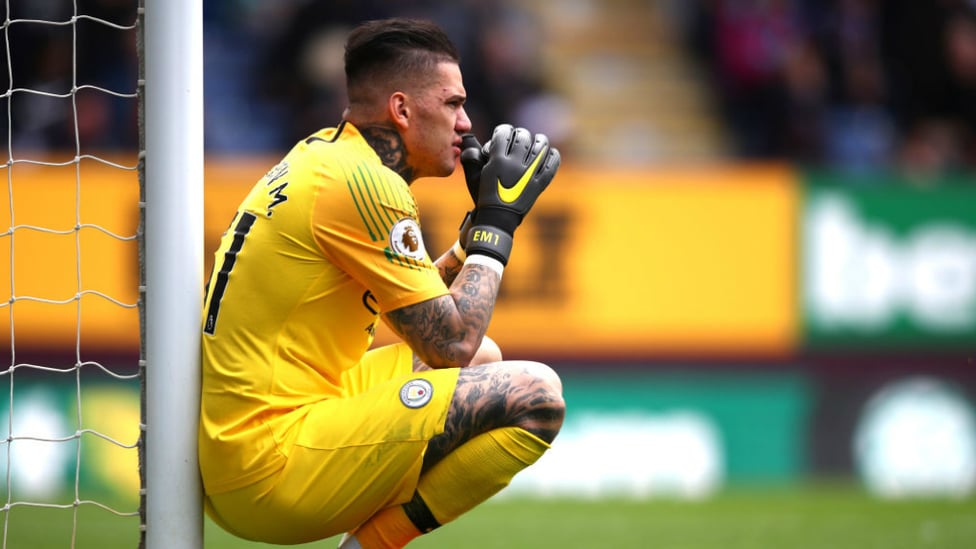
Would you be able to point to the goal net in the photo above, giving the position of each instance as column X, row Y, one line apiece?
column 85, row 272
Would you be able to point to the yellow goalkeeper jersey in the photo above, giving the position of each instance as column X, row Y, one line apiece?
column 321, row 245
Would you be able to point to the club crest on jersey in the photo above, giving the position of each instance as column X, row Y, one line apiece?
column 416, row 393
column 405, row 239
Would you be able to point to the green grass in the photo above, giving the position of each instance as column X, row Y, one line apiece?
column 822, row 517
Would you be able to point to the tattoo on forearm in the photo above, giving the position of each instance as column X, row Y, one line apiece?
column 434, row 327
column 449, row 266
column 475, row 291
column 389, row 146
column 428, row 325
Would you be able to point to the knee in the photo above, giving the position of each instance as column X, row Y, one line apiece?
column 547, row 394
column 489, row 351
column 547, row 376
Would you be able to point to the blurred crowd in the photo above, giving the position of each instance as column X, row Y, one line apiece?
column 852, row 84
column 273, row 69
column 65, row 86
column 275, row 72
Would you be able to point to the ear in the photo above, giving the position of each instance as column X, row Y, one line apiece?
column 398, row 109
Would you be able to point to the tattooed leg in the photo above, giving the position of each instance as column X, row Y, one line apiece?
column 516, row 393
column 502, row 418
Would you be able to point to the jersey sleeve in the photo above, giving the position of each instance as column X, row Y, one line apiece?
column 367, row 223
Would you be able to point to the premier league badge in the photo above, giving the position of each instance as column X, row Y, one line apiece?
column 406, row 239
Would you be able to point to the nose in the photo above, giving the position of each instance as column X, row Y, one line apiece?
column 463, row 123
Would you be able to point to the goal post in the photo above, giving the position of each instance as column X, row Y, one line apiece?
column 173, row 277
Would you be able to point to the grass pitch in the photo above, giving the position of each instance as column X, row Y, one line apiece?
column 822, row 517
column 836, row 516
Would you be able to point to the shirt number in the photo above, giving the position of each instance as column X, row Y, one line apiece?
column 241, row 229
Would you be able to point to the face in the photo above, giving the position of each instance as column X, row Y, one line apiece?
column 433, row 134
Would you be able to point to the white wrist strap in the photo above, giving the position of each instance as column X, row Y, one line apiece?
column 490, row 262
column 459, row 251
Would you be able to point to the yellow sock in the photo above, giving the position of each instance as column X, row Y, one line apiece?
column 477, row 470
column 388, row 529
column 474, row 472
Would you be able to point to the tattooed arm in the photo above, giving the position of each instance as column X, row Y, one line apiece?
column 449, row 266
column 447, row 331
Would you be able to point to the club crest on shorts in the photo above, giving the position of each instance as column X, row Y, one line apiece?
column 405, row 239
column 416, row 393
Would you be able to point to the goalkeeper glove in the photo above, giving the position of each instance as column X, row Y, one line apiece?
column 473, row 158
column 519, row 167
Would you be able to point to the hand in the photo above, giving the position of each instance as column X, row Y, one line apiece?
column 473, row 158
column 519, row 167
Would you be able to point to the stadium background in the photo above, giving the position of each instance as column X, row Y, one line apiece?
column 766, row 214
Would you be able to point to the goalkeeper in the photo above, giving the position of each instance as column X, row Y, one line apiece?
column 306, row 432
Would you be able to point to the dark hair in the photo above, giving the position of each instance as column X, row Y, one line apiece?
column 395, row 49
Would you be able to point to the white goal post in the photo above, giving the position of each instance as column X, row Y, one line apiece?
column 173, row 278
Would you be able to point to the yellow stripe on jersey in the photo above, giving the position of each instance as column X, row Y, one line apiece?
column 403, row 260
column 361, row 187
column 380, row 203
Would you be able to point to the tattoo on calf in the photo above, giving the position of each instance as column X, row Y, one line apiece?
column 489, row 397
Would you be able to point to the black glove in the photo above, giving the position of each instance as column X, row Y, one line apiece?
column 473, row 158
column 518, row 169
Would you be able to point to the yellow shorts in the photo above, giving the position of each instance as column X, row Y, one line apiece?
column 352, row 457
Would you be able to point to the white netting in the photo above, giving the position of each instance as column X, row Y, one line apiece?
column 70, row 380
